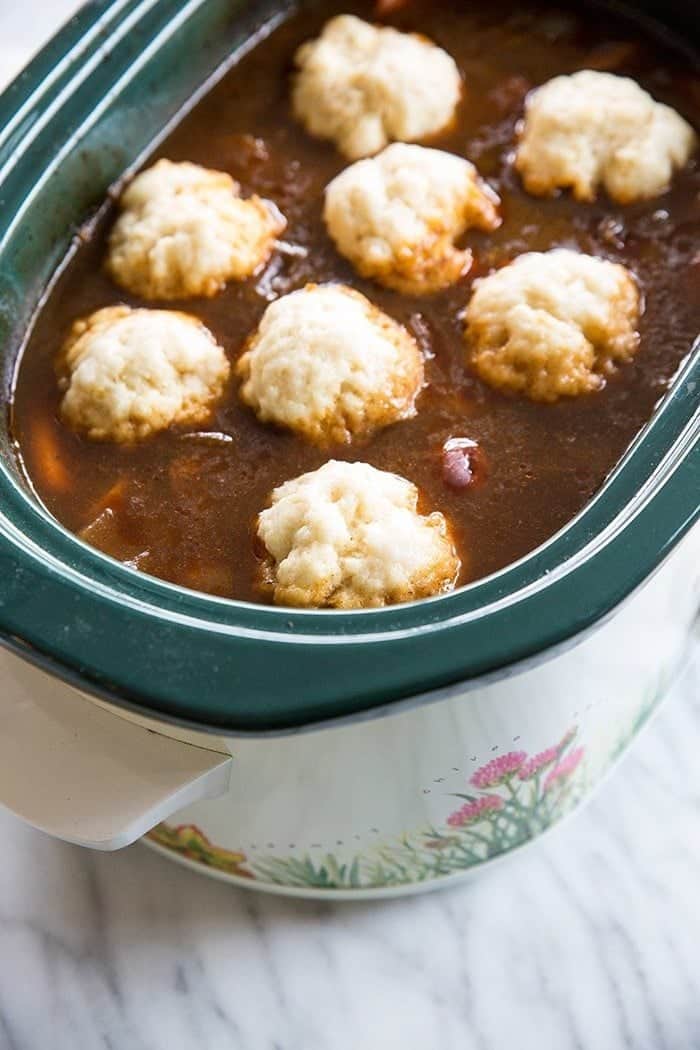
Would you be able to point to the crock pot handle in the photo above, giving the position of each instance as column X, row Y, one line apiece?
column 82, row 774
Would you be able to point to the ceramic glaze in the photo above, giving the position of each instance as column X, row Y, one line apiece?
column 433, row 792
column 150, row 645
column 351, row 755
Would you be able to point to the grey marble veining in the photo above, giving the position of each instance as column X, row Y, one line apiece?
column 588, row 941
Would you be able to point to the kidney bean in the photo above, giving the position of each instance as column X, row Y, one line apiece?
column 462, row 463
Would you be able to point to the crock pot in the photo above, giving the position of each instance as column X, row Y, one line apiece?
column 310, row 753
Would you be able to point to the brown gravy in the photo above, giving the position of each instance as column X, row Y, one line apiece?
column 183, row 507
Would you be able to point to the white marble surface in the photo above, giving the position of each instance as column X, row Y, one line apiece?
column 589, row 941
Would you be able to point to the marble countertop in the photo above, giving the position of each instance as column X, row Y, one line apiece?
column 588, row 941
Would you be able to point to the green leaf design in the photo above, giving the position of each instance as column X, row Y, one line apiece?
column 489, row 823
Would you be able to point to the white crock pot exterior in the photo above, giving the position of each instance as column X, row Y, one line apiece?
column 361, row 809
column 364, row 809
column 412, row 797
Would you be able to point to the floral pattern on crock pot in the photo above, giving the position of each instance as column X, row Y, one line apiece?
column 189, row 841
column 508, row 801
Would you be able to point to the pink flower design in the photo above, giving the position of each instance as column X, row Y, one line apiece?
column 564, row 769
column 471, row 812
column 498, row 770
column 537, row 763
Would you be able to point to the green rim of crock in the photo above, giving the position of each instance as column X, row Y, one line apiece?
column 226, row 665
